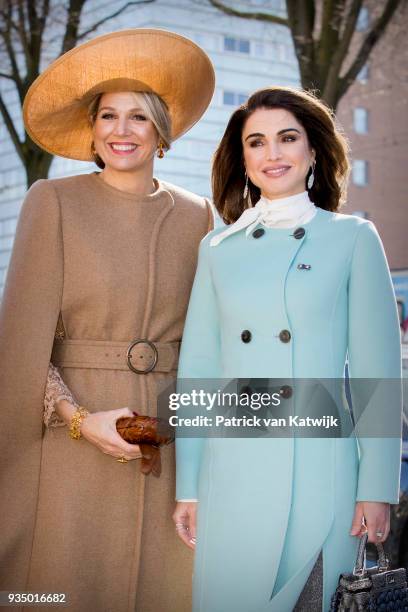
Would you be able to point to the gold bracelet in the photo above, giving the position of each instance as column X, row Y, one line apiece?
column 76, row 421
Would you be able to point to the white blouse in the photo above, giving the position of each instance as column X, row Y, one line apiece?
column 280, row 213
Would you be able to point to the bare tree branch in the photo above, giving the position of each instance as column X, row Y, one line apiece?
column 249, row 15
column 5, row 34
column 111, row 16
column 72, row 25
column 330, row 87
column 301, row 16
column 22, row 30
column 6, row 76
column 43, row 17
column 321, row 56
column 22, row 27
column 330, row 31
column 327, row 20
column 12, row 130
column 37, row 23
column 371, row 39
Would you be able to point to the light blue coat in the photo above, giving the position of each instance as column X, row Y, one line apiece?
column 268, row 506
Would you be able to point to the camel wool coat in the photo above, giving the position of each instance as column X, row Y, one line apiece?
column 114, row 267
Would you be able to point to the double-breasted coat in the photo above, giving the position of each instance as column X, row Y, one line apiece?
column 291, row 304
column 114, row 267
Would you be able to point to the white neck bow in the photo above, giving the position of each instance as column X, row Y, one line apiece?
column 282, row 213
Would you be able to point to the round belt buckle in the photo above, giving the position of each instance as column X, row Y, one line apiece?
column 129, row 356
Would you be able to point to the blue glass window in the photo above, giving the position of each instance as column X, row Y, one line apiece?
column 230, row 44
column 360, row 172
column 229, row 98
column 234, row 98
column 243, row 46
column 238, row 45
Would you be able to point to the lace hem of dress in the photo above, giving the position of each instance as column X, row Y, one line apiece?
column 55, row 390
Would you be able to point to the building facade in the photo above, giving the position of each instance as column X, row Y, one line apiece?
column 374, row 115
column 245, row 58
column 248, row 55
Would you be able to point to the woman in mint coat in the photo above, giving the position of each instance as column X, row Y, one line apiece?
column 289, row 289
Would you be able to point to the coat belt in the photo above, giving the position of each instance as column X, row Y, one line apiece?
column 140, row 356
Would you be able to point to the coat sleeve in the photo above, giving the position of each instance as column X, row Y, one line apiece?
column 28, row 317
column 374, row 351
column 200, row 358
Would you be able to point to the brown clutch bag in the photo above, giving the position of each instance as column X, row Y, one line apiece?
column 149, row 433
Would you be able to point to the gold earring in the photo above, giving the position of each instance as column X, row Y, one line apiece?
column 160, row 152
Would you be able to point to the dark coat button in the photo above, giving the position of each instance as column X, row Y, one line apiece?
column 246, row 336
column 285, row 335
column 286, row 391
column 299, row 233
column 258, row 233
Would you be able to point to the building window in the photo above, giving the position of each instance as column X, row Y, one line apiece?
column 238, row 45
column 259, row 49
column 363, row 19
column 234, row 98
column 363, row 74
column 360, row 172
column 360, row 120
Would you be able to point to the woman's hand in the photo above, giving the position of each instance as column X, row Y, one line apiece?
column 99, row 428
column 185, row 519
column 373, row 517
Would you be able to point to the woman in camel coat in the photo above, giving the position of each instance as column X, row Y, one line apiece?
column 100, row 260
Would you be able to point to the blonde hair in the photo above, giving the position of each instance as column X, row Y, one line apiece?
column 155, row 108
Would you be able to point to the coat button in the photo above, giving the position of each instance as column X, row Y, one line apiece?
column 246, row 336
column 286, row 391
column 285, row 335
column 299, row 233
column 258, row 233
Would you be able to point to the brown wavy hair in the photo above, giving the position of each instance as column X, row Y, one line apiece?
column 329, row 189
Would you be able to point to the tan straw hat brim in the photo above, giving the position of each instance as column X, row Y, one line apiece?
column 172, row 66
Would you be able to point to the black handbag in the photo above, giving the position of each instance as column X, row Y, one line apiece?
column 372, row 590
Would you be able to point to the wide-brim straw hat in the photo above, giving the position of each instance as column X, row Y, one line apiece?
column 56, row 105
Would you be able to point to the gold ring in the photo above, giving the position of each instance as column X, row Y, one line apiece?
column 122, row 460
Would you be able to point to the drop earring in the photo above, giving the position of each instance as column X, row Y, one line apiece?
column 247, row 193
column 244, row 195
column 310, row 180
column 160, row 152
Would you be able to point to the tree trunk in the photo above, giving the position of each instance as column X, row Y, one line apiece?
column 37, row 165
